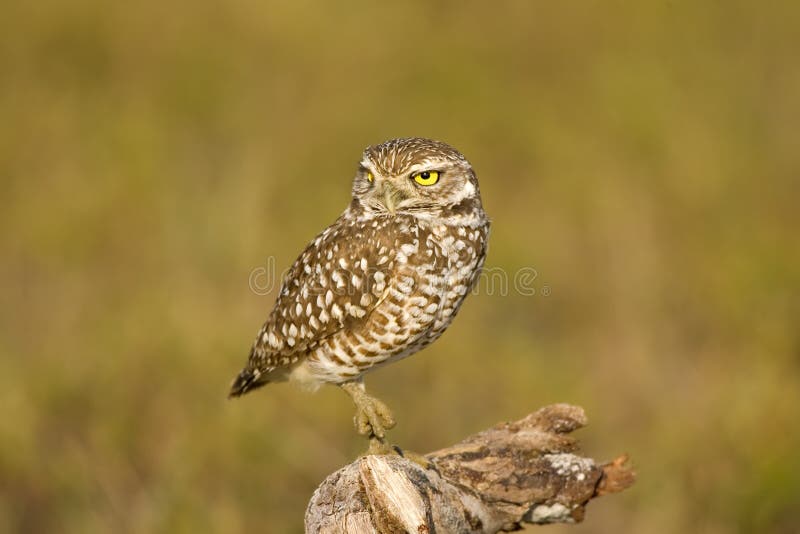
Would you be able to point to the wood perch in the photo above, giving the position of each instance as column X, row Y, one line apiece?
column 521, row 472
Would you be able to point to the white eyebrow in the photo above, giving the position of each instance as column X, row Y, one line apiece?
column 426, row 165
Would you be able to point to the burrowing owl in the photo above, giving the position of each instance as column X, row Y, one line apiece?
column 382, row 282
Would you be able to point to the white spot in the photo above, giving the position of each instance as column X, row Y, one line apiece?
column 408, row 249
column 406, row 285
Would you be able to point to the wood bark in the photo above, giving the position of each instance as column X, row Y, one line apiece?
column 527, row 471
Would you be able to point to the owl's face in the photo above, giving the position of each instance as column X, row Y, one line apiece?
column 414, row 176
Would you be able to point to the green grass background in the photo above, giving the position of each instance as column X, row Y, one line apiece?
column 643, row 157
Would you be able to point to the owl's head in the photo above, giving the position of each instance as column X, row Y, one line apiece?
column 415, row 176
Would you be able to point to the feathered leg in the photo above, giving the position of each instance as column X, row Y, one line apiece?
column 372, row 417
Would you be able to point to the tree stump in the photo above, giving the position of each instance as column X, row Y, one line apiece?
column 521, row 472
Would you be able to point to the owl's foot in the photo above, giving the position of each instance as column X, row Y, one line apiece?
column 373, row 418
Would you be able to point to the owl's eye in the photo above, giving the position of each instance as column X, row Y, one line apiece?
column 426, row 177
column 370, row 178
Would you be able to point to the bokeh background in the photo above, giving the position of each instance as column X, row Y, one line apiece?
column 642, row 157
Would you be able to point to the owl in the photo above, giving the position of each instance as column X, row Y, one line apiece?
column 382, row 282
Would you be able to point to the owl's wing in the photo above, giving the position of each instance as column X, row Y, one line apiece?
column 335, row 283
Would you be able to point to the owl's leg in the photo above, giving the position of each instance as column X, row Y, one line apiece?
column 372, row 417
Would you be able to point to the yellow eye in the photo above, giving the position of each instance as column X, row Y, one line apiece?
column 370, row 177
column 426, row 177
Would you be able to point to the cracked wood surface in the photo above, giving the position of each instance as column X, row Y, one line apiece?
column 527, row 471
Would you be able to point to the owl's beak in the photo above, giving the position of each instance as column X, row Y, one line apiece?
column 388, row 200
column 391, row 197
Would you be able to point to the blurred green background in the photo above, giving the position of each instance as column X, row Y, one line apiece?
column 643, row 158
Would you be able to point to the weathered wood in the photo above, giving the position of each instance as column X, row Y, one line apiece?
column 521, row 472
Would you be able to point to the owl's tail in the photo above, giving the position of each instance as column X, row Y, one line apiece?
column 248, row 380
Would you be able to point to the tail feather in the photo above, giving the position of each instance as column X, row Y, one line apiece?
column 248, row 380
